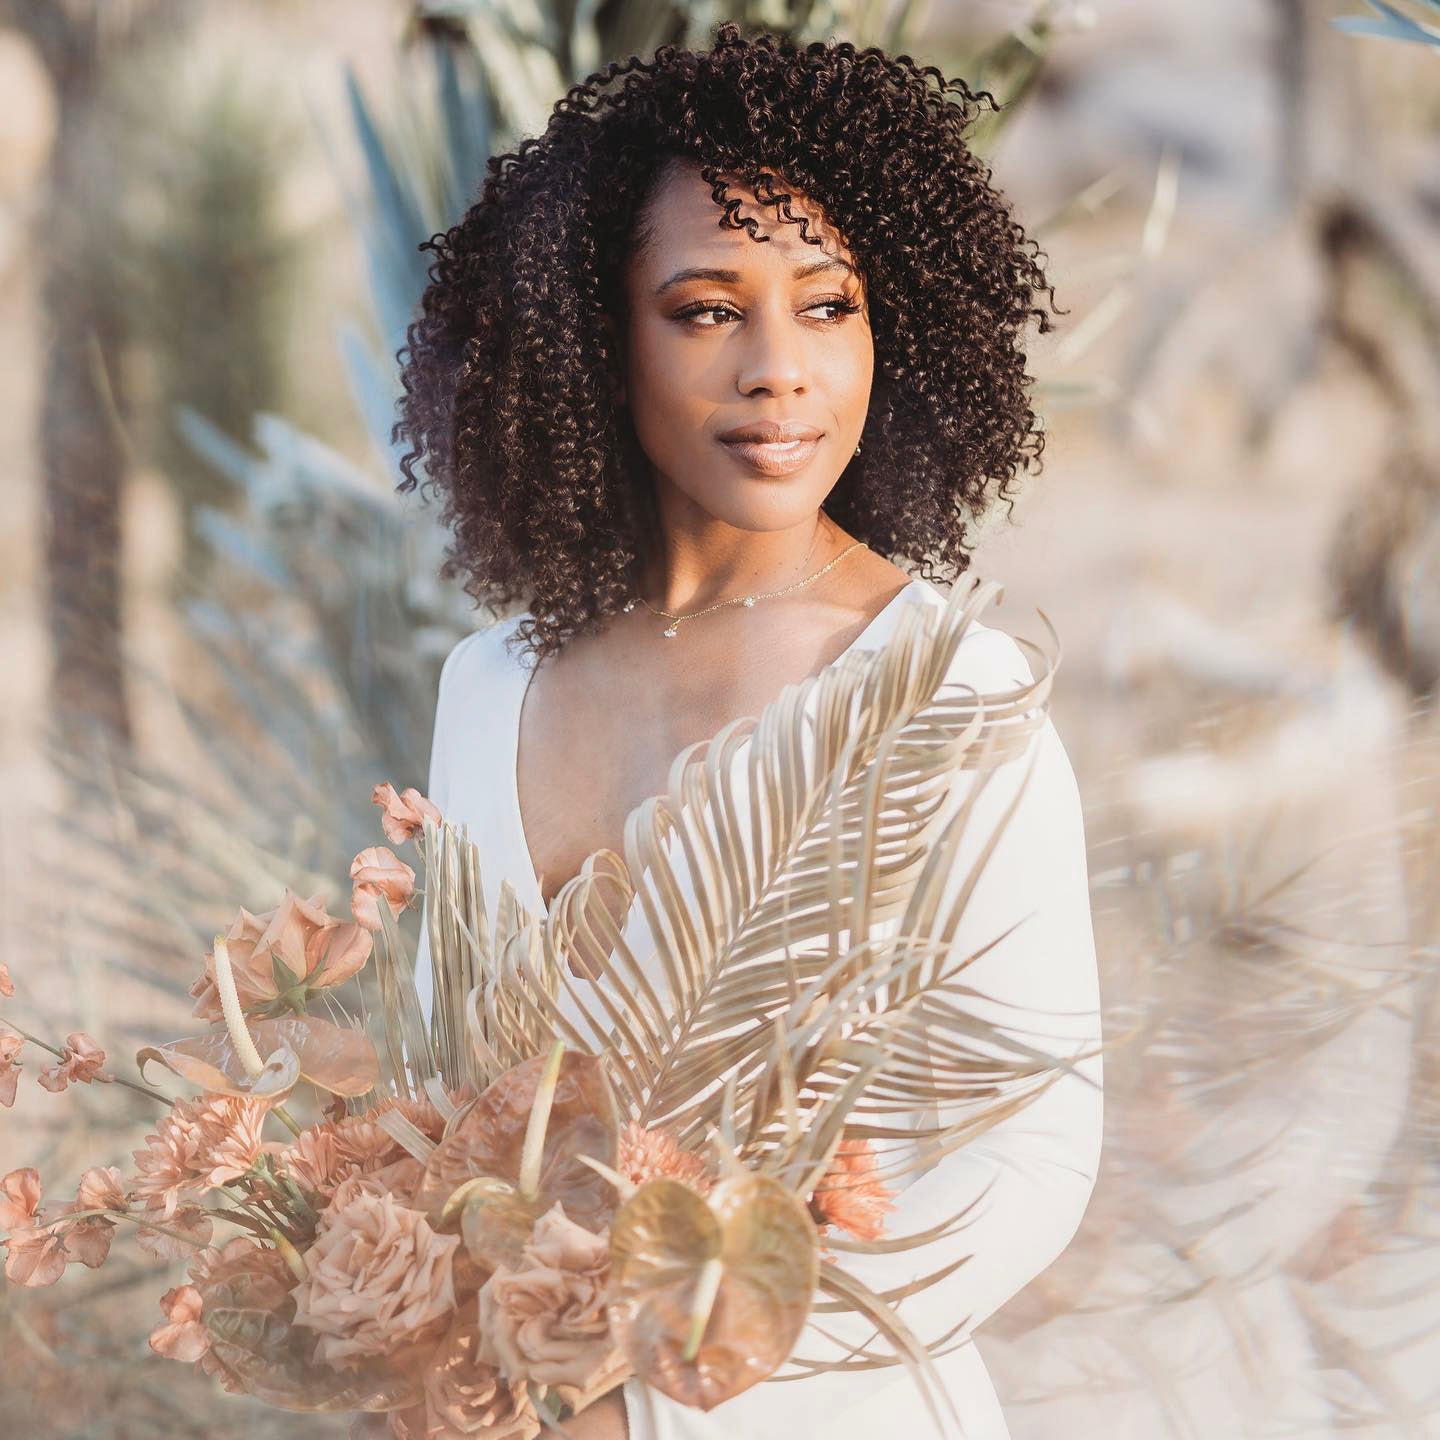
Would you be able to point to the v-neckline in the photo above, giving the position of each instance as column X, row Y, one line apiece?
column 534, row 901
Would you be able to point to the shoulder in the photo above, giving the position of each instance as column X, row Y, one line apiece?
column 987, row 657
column 477, row 660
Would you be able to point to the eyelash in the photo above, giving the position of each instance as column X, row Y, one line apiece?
column 845, row 307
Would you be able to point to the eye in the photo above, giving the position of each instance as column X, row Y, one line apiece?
column 838, row 303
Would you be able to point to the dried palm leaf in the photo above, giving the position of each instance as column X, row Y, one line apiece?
column 772, row 1012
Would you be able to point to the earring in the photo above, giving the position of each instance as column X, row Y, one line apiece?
column 857, row 447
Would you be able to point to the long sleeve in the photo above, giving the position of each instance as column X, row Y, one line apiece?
column 437, row 791
column 1029, row 1177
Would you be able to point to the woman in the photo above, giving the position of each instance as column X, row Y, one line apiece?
column 736, row 318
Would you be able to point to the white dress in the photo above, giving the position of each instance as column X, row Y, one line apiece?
column 1031, row 1175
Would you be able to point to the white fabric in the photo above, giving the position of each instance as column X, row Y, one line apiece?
column 1038, row 1167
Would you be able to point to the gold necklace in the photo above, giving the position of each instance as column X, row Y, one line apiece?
column 747, row 600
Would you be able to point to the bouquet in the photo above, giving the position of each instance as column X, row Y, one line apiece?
column 585, row 1164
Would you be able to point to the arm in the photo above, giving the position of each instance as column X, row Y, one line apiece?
column 1035, row 1170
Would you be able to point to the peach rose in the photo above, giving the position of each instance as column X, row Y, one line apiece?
column 404, row 814
column 466, row 1396
column 379, row 874
column 317, row 950
column 379, row 1276
column 545, row 1320
column 398, row 1179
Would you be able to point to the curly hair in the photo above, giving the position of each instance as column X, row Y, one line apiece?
column 510, row 385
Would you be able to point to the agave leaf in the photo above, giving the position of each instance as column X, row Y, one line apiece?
column 663, row 1241
column 332, row 1057
column 486, row 1141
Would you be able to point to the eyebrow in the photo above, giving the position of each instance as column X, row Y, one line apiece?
column 732, row 277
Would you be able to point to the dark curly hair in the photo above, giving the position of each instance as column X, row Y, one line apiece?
column 511, row 379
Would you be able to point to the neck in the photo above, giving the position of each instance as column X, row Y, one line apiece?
column 721, row 563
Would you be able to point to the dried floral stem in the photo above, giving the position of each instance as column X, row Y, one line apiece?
column 124, row 1215
column 286, row 1119
column 245, row 1219
column 534, row 1150
column 107, row 1079
column 291, row 1256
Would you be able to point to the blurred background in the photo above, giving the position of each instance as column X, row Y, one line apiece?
column 222, row 626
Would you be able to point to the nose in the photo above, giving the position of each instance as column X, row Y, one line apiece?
column 771, row 354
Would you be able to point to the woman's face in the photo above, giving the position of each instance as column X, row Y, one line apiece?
column 763, row 336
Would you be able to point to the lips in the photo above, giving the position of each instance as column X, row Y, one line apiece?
column 771, row 432
column 775, row 447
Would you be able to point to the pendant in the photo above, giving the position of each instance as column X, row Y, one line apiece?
column 670, row 633
column 748, row 601
column 628, row 606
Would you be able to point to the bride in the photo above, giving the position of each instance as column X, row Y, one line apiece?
column 736, row 334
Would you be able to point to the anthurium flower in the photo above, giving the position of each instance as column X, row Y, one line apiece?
column 379, row 874
column 296, row 1047
column 294, row 949
column 404, row 814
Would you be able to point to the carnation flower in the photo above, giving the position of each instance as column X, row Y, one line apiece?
column 404, row 815
column 379, row 874
column 183, row 1336
column 849, row 1196
column 316, row 949
column 200, row 1145
column 325, row 1156
column 81, row 1062
column 655, row 1155
column 315, row 1160
column 464, row 1395
column 378, row 1276
column 11, row 1045
column 545, row 1319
